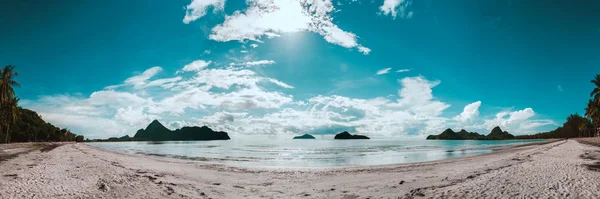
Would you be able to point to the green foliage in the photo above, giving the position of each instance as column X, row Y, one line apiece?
column 23, row 125
column 30, row 127
column 595, row 94
column 576, row 125
column 570, row 129
column 6, row 84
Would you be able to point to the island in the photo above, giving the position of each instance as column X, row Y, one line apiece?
column 157, row 132
column 303, row 137
column 347, row 136
column 495, row 134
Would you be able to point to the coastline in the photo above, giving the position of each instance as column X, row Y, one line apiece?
column 242, row 161
column 76, row 170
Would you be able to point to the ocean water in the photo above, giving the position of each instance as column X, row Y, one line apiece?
column 311, row 153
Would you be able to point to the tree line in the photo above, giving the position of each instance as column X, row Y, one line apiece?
column 577, row 125
column 18, row 124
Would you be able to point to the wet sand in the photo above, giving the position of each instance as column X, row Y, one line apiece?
column 561, row 169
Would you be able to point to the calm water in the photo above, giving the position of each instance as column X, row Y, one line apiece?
column 311, row 153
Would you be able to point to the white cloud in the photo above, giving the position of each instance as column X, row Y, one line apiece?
column 197, row 9
column 253, row 45
column 134, row 116
column 333, row 114
column 271, row 18
column 383, row 71
column 279, row 83
column 162, row 82
column 141, row 81
column 517, row 122
column 89, row 126
column 149, row 73
column 241, row 101
column 395, row 7
column 364, row 50
column 470, row 113
column 403, row 70
column 197, row 65
column 244, row 51
column 416, row 94
column 260, row 18
column 260, row 62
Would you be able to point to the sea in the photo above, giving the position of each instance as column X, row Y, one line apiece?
column 317, row 153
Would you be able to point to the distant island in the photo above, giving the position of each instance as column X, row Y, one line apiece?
column 305, row 136
column 495, row 134
column 347, row 136
column 157, row 132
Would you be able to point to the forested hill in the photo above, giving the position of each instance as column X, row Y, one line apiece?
column 30, row 127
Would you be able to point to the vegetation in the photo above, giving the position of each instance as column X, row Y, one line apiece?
column 18, row 124
column 570, row 129
column 449, row 134
column 576, row 125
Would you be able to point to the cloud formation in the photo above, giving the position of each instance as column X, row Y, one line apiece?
column 197, row 9
column 238, row 100
column 272, row 18
column 383, row 71
column 395, row 8
column 470, row 113
column 261, row 62
column 197, row 65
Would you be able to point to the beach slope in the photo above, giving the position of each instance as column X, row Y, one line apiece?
column 561, row 169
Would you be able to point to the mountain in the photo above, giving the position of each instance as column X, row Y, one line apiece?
column 448, row 134
column 305, row 136
column 157, row 132
column 495, row 134
column 347, row 136
column 498, row 134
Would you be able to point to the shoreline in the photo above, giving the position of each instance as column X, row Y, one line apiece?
column 76, row 170
column 222, row 162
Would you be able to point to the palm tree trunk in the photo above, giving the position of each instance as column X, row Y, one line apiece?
column 7, row 127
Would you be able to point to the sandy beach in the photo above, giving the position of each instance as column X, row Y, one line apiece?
column 561, row 169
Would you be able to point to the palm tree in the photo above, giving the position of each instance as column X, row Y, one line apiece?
column 7, row 82
column 10, row 114
column 584, row 127
column 592, row 111
column 8, row 102
column 595, row 94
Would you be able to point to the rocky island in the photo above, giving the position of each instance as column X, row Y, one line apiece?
column 347, row 136
column 157, row 132
column 305, row 136
column 449, row 134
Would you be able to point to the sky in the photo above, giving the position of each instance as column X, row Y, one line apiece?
column 383, row 68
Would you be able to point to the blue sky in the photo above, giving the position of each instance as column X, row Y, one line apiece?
column 107, row 68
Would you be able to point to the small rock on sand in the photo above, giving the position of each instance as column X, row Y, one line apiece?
column 103, row 187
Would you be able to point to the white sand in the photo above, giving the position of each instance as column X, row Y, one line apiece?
column 553, row 170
